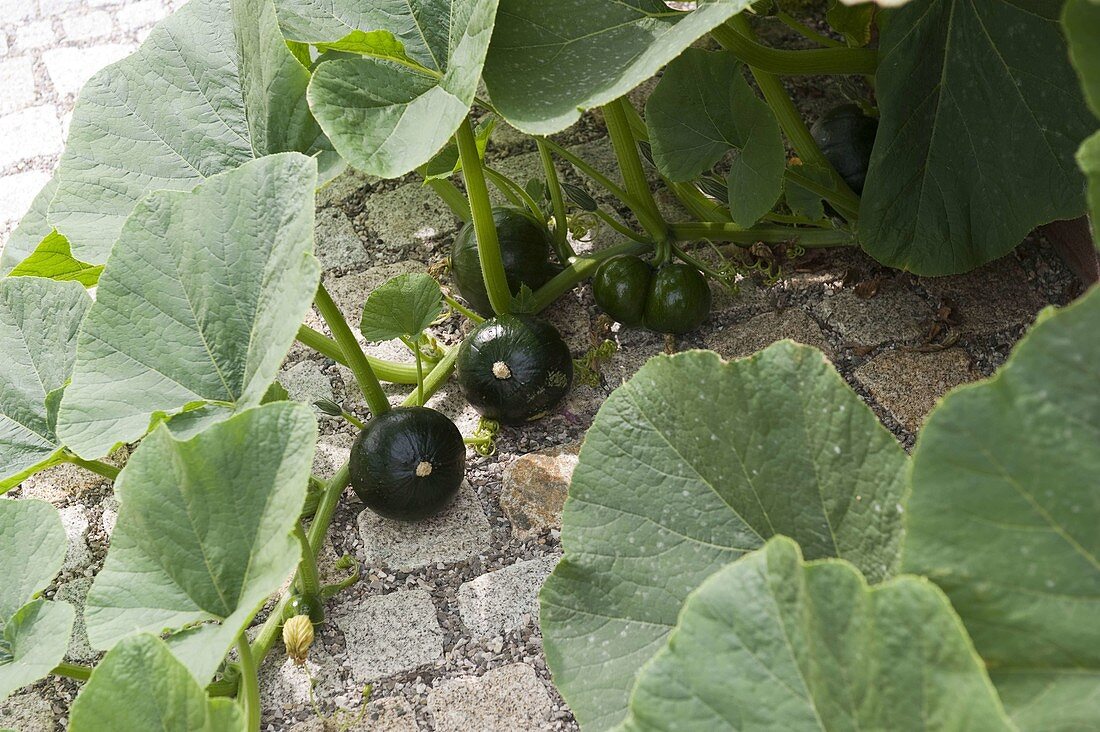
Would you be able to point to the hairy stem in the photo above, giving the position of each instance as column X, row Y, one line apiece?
column 108, row 471
column 72, row 671
column 488, row 246
column 626, row 152
column 795, row 63
column 463, row 310
column 308, row 581
column 562, row 246
column 357, row 360
column 449, row 193
column 249, row 692
column 808, row 238
column 391, row 371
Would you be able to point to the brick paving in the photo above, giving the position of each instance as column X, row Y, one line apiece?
column 48, row 49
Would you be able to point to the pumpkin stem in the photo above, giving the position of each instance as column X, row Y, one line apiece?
column 501, row 370
column 423, row 469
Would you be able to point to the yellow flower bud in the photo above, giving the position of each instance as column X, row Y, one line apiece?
column 298, row 637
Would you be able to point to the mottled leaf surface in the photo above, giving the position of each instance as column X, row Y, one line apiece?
column 204, row 532
column 226, row 89
column 1004, row 514
column 392, row 111
column 689, row 465
column 34, row 634
column 39, row 321
column 140, row 685
column 981, row 115
column 551, row 59
column 200, row 302
column 772, row 642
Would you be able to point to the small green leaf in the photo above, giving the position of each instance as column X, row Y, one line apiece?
column 204, row 532
column 53, row 260
column 689, row 465
column 200, row 302
column 1081, row 20
column 34, row 634
column 552, row 59
column 140, row 685
column 852, row 21
column 802, row 201
column 981, row 115
column 39, row 320
column 388, row 117
column 380, row 44
column 702, row 107
column 226, row 90
column 774, row 642
column 402, row 307
column 446, row 162
column 1004, row 514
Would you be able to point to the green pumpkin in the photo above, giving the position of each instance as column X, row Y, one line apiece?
column 408, row 463
column 846, row 137
column 514, row 368
column 305, row 604
column 674, row 299
column 524, row 251
column 620, row 286
column 678, row 301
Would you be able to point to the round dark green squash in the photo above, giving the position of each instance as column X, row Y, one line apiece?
column 305, row 603
column 514, row 368
column 408, row 463
column 524, row 251
column 621, row 286
column 846, row 136
column 678, row 301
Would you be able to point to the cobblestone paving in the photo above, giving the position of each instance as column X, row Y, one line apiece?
column 48, row 49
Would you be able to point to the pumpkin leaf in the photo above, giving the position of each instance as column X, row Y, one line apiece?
column 141, row 685
column 227, row 90
column 854, row 22
column 1081, row 20
column 53, row 259
column 30, row 231
column 204, row 533
column 666, row 493
column 1003, row 516
column 39, row 320
column 200, row 302
column 402, row 307
column 387, row 116
column 34, row 634
column 579, row 54
column 800, row 645
column 980, row 118
column 755, row 180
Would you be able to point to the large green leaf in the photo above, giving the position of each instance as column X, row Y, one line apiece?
column 226, row 89
column 200, row 301
column 34, row 634
column 550, row 59
column 53, row 259
column 1081, row 20
column 981, row 117
column 140, row 685
column 1004, row 515
column 387, row 115
column 771, row 642
column 689, row 465
column 204, row 532
column 39, row 320
column 30, row 231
